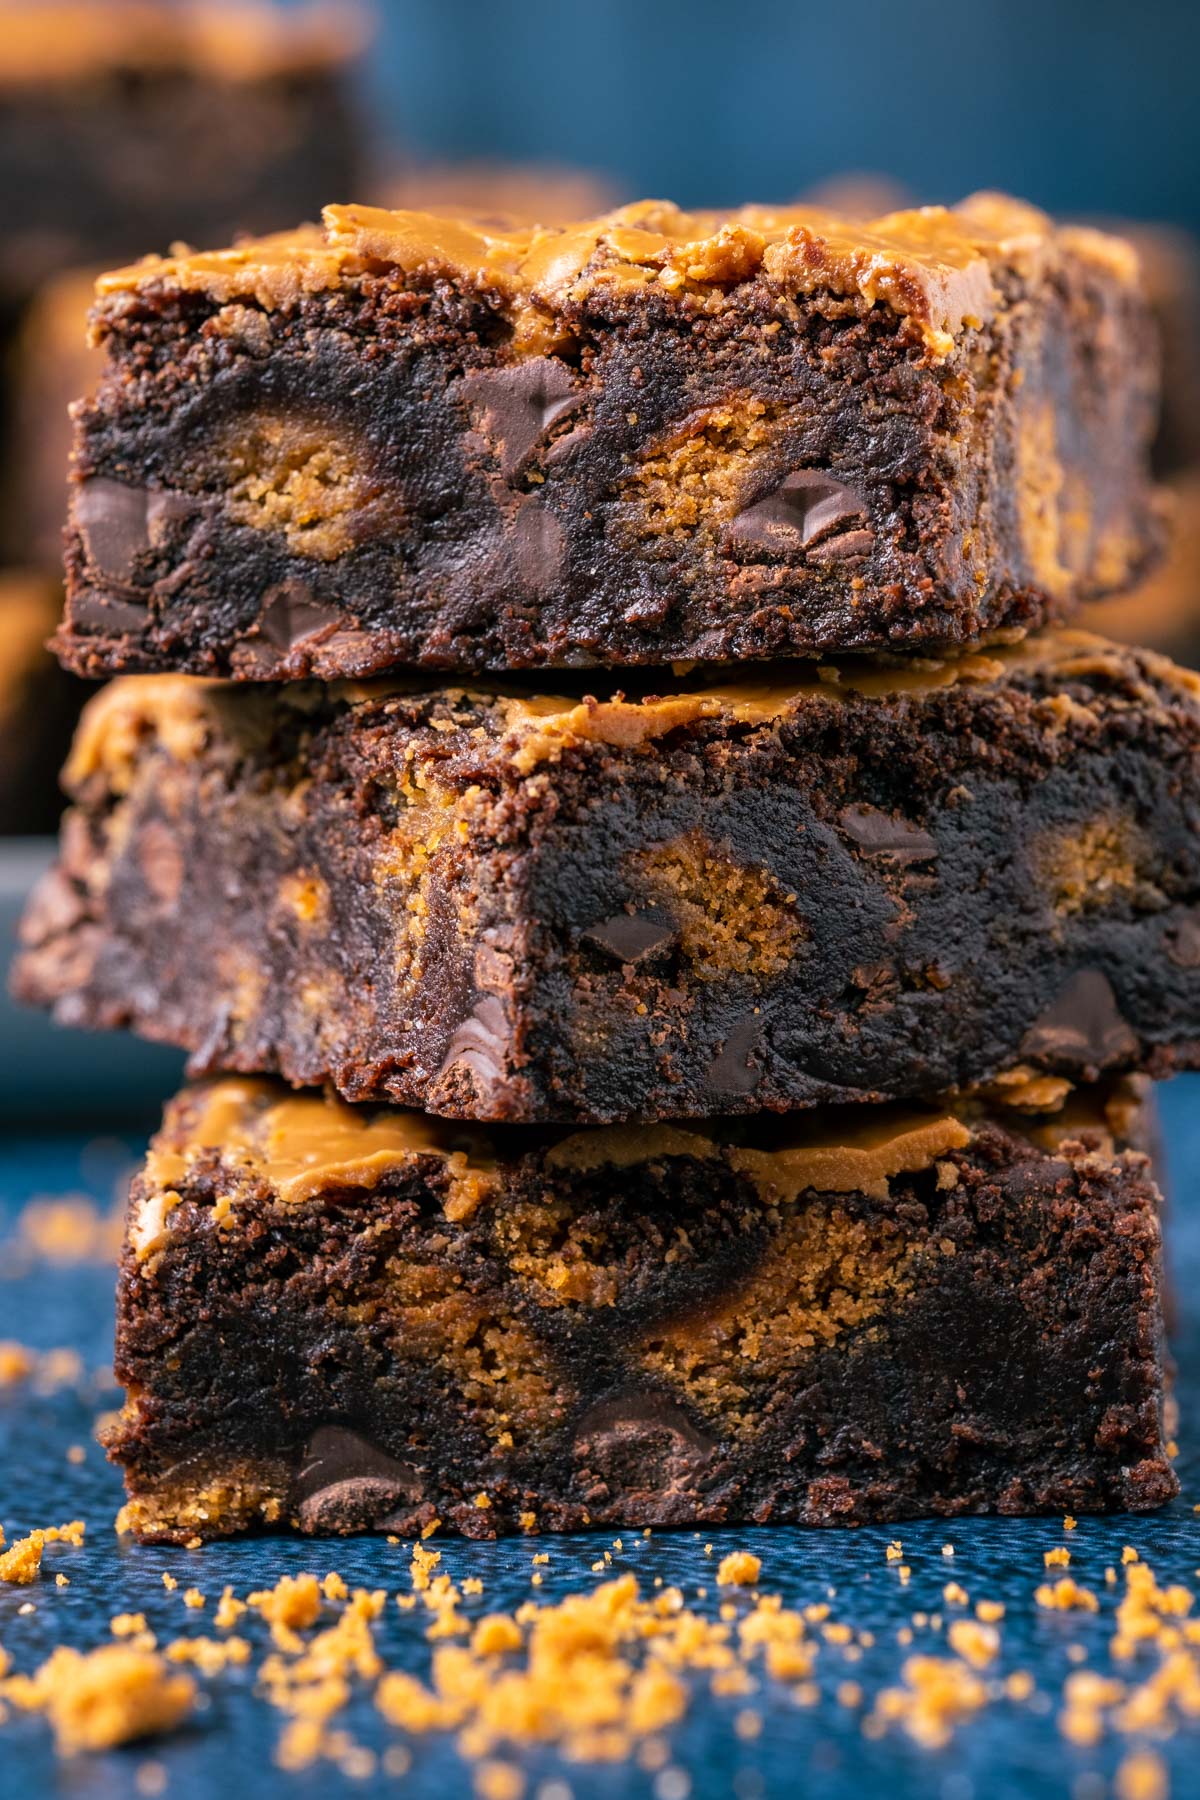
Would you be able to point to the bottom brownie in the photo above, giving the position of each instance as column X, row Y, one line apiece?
column 349, row 1320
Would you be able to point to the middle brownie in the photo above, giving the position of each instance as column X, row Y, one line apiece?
column 873, row 884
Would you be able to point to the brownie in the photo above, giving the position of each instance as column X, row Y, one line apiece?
column 656, row 436
column 848, row 884
column 38, row 704
column 346, row 1320
column 1164, row 611
column 129, row 125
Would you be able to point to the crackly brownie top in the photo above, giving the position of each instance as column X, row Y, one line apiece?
column 524, row 730
column 229, row 40
column 938, row 267
column 305, row 1148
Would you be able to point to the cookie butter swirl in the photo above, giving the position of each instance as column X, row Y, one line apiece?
column 933, row 265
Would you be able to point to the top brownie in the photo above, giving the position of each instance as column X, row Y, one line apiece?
column 651, row 437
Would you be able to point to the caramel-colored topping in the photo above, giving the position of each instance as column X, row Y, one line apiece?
column 116, row 722
column 933, row 265
column 58, row 41
column 301, row 1145
column 859, row 1156
column 179, row 710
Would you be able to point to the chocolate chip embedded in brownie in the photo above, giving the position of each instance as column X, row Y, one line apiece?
column 347, row 1320
column 862, row 884
column 651, row 437
column 132, row 125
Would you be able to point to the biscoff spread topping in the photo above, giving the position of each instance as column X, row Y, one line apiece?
column 302, row 1145
column 936, row 266
column 180, row 712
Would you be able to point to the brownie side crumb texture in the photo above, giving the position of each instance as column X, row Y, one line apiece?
column 878, row 884
column 653, row 437
column 347, row 1321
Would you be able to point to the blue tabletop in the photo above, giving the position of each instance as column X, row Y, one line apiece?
column 1012, row 1747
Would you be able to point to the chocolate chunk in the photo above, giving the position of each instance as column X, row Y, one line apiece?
column 112, row 519
column 481, row 1043
column 345, row 1484
column 633, row 937
column 807, row 506
column 537, row 544
column 844, row 547
column 518, row 405
column 1082, row 1028
column 92, row 612
column 886, row 834
column 1183, row 944
column 290, row 614
column 119, row 523
column 731, row 1070
column 642, row 1440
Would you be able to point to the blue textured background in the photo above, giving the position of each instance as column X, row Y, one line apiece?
column 1080, row 105
column 1009, row 1750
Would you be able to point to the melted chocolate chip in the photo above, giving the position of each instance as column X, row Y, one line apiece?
column 886, row 834
column 92, row 612
column 290, row 614
column 633, row 937
column 518, row 405
column 844, row 547
column 731, row 1070
column 346, row 1484
column 1082, row 1028
column 119, row 523
column 481, row 1044
column 112, row 520
column 642, row 1440
column 807, row 506
column 537, row 544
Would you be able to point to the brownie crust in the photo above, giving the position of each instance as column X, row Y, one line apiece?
column 653, row 437
column 882, row 884
column 345, row 1321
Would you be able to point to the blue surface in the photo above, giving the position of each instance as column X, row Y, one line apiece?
column 1009, row 1749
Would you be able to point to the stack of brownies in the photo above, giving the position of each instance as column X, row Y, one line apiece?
column 723, row 1095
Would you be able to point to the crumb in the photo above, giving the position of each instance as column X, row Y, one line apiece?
column 738, row 1569
column 1059, row 1557
column 109, row 1696
column 1142, row 1776
column 193, row 1598
column 1066, row 1594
